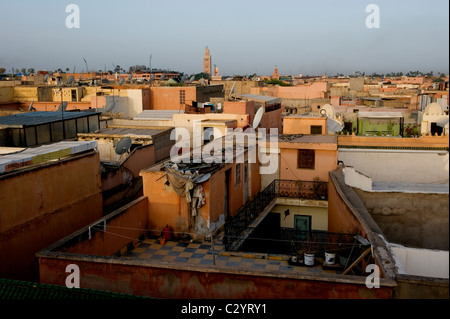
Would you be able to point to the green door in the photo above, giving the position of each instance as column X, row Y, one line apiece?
column 302, row 225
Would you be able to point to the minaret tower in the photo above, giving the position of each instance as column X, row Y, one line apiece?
column 207, row 62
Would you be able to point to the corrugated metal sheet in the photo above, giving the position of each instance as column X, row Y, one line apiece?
column 38, row 118
column 44, row 153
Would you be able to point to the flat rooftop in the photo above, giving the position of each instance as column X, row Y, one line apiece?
column 300, row 138
column 205, row 254
column 121, row 132
column 41, row 117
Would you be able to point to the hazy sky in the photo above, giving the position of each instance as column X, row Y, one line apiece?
column 244, row 36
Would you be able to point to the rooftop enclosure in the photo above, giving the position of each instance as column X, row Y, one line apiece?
column 43, row 202
column 34, row 128
column 105, row 252
column 392, row 160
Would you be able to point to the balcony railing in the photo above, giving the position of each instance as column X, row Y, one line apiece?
column 240, row 222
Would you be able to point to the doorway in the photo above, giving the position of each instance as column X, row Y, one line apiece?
column 302, row 226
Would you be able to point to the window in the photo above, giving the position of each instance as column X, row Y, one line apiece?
column 74, row 95
column 316, row 129
column 306, row 159
column 182, row 97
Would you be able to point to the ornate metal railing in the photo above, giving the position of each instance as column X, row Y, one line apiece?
column 240, row 222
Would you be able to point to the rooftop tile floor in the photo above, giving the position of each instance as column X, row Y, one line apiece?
column 195, row 253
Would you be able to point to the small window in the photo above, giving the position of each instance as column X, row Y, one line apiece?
column 306, row 159
column 316, row 129
column 182, row 97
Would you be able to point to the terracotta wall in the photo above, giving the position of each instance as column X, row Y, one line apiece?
column 41, row 205
column 325, row 161
column 122, row 227
column 302, row 125
column 168, row 98
column 272, row 119
column 340, row 217
column 202, row 282
column 167, row 208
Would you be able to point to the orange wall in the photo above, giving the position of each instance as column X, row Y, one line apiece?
column 168, row 98
column 316, row 90
column 53, row 106
column 42, row 205
column 302, row 125
column 242, row 107
column 132, row 223
column 272, row 119
column 423, row 141
column 166, row 207
column 325, row 161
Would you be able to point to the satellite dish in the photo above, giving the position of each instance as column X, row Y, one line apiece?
column 323, row 112
column 152, row 77
column 31, row 108
column 123, row 146
column 202, row 178
column 121, row 81
column 62, row 107
column 110, row 106
column 79, row 78
column 46, row 77
column 258, row 117
column 163, row 76
column 192, row 78
column 70, row 79
column 232, row 89
column 203, row 82
column 130, row 77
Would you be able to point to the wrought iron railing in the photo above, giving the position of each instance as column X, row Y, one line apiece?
column 240, row 222
column 290, row 241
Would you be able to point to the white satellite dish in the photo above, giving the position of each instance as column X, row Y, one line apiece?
column 62, row 107
column 46, row 77
column 258, row 117
column 123, row 146
column 203, row 82
column 31, row 108
column 163, row 76
column 152, row 77
column 192, row 78
column 70, row 79
column 121, row 81
column 130, row 77
column 232, row 89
